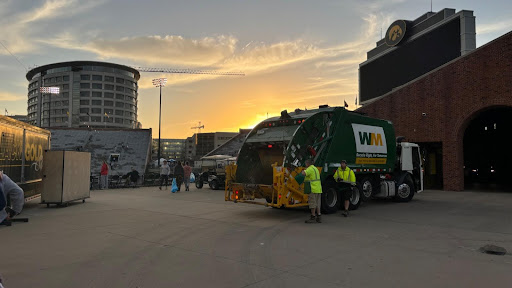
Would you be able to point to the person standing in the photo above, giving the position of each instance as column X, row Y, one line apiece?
column 315, row 198
column 16, row 196
column 104, row 176
column 179, row 174
column 345, row 174
column 165, row 170
column 187, row 171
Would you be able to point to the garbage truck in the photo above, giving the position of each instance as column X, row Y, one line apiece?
column 22, row 148
column 275, row 151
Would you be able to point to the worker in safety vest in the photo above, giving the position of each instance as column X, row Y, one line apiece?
column 315, row 198
column 346, row 175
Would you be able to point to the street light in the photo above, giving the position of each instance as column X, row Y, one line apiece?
column 49, row 90
column 159, row 82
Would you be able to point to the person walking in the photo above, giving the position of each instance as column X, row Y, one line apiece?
column 165, row 170
column 104, row 175
column 187, row 171
column 345, row 175
column 315, row 198
column 179, row 174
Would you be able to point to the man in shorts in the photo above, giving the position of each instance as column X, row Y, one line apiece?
column 315, row 198
column 345, row 175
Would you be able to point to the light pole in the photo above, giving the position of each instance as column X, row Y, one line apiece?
column 50, row 91
column 159, row 82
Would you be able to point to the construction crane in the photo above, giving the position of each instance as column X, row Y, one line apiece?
column 162, row 81
column 187, row 71
column 198, row 127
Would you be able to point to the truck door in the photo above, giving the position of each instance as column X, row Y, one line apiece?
column 417, row 171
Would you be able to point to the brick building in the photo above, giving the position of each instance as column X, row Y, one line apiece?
column 460, row 114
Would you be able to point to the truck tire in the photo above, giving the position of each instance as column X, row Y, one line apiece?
column 214, row 185
column 366, row 188
column 199, row 183
column 331, row 199
column 405, row 190
column 355, row 199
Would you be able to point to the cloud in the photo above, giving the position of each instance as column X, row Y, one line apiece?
column 494, row 27
column 169, row 49
column 20, row 31
column 8, row 97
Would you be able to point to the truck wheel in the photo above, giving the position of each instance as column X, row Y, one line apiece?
column 366, row 188
column 330, row 199
column 355, row 199
column 405, row 191
column 214, row 185
column 199, row 184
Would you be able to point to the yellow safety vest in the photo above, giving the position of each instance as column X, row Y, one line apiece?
column 347, row 175
column 313, row 177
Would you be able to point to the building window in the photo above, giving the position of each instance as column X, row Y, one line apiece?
column 58, row 79
column 65, row 78
column 96, row 94
column 120, row 88
column 65, row 86
column 97, row 86
column 97, row 78
column 96, row 110
column 120, row 104
column 120, row 80
column 109, row 79
column 84, row 118
column 84, row 102
column 85, row 85
column 119, row 120
column 127, row 114
column 65, row 103
column 84, row 110
column 119, row 112
column 96, row 102
column 109, row 111
column 108, row 103
column 109, row 87
column 85, row 77
column 58, row 103
column 120, row 96
column 127, row 106
column 109, row 95
column 96, row 119
column 65, row 94
column 85, row 93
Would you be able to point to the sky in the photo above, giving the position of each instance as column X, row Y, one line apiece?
column 295, row 54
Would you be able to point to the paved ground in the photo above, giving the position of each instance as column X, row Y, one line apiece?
column 150, row 238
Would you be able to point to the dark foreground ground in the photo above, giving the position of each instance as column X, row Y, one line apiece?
column 150, row 238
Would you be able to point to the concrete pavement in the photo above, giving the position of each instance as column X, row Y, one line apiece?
column 145, row 237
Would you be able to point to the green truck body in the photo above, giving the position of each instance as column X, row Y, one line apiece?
column 327, row 135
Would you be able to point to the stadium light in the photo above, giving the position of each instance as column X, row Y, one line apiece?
column 50, row 91
column 159, row 82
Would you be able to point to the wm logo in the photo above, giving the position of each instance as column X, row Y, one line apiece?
column 370, row 138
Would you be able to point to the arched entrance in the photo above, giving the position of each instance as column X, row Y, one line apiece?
column 488, row 151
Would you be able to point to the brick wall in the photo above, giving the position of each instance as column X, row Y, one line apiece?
column 451, row 97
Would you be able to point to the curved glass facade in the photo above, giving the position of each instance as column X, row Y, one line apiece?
column 90, row 96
